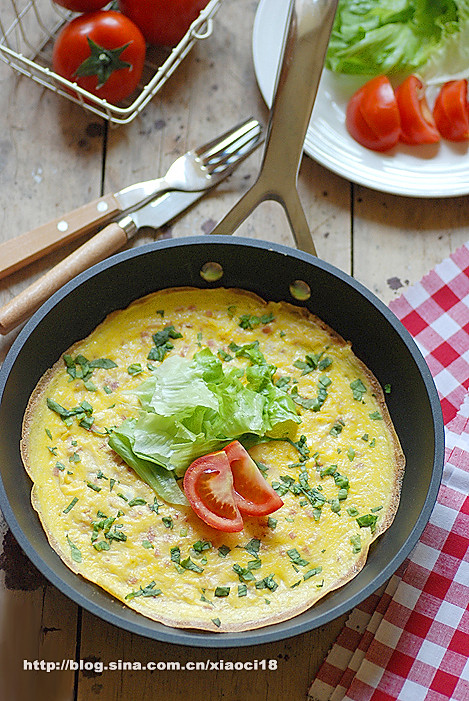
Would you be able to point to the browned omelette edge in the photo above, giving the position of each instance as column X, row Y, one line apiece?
column 384, row 523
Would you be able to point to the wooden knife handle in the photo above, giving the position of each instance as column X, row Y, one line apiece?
column 18, row 252
column 107, row 241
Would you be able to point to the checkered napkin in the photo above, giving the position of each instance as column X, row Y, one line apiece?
column 410, row 640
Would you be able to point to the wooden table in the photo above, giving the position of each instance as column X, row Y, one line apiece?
column 55, row 156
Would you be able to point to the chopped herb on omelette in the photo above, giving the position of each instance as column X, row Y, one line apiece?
column 113, row 426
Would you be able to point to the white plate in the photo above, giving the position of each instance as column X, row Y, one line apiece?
column 437, row 170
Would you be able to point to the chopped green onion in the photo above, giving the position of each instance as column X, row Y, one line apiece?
column 222, row 591
column 71, row 505
column 74, row 551
column 312, row 573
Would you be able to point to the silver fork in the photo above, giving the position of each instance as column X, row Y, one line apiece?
column 200, row 168
column 197, row 170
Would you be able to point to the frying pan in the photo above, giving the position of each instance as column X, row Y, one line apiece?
column 271, row 271
column 274, row 272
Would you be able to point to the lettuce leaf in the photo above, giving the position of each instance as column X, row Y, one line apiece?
column 160, row 480
column 450, row 59
column 371, row 37
column 191, row 407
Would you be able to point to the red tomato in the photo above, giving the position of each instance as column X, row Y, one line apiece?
column 208, row 485
column 103, row 52
column 253, row 494
column 451, row 111
column 372, row 116
column 417, row 123
column 220, row 486
column 162, row 22
column 82, row 5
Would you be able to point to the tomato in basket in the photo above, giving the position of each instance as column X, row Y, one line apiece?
column 103, row 52
column 82, row 5
column 162, row 22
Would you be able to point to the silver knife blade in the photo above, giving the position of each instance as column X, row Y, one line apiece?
column 161, row 210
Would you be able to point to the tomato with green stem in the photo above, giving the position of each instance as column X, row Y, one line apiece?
column 417, row 122
column 451, row 111
column 103, row 52
column 372, row 116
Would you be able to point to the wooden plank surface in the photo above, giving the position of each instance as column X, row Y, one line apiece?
column 397, row 240
column 54, row 156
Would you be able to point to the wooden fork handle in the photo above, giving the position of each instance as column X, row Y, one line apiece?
column 18, row 252
column 107, row 241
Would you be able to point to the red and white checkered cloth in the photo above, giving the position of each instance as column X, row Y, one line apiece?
column 410, row 640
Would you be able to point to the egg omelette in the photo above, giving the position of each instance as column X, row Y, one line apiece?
column 338, row 465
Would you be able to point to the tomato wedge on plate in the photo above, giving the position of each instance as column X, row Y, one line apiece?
column 223, row 485
column 417, row 122
column 208, row 485
column 451, row 111
column 372, row 116
column 253, row 494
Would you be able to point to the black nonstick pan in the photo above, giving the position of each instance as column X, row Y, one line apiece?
column 273, row 272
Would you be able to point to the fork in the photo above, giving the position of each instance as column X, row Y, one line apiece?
column 197, row 170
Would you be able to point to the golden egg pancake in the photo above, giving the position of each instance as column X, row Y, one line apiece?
column 334, row 459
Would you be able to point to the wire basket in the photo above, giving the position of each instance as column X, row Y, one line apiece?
column 27, row 43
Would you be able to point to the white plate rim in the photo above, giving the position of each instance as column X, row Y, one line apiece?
column 413, row 171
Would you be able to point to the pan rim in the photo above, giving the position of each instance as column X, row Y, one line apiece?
column 275, row 632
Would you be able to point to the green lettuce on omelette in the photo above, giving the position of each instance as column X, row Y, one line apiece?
column 191, row 407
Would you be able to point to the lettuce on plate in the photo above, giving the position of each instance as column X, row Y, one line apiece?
column 191, row 407
column 371, row 37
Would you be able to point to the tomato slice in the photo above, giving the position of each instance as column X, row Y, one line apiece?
column 451, row 111
column 372, row 116
column 417, row 122
column 253, row 494
column 223, row 485
column 208, row 484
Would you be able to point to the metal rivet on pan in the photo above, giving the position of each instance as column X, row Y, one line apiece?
column 211, row 272
column 300, row 290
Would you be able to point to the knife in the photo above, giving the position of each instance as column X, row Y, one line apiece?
column 221, row 155
column 109, row 240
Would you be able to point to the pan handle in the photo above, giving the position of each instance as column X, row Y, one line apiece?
column 309, row 27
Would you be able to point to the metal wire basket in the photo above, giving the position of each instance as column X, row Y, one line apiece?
column 27, row 36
